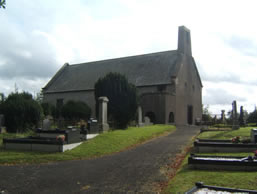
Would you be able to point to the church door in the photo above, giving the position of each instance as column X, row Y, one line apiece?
column 190, row 114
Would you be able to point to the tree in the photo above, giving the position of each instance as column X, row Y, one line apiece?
column 122, row 97
column 48, row 109
column 21, row 112
column 252, row 118
column 206, row 115
column 76, row 110
column 2, row 3
column 242, row 117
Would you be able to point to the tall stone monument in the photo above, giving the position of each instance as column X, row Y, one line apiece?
column 139, row 114
column 103, row 124
column 234, row 116
column 223, row 116
column 241, row 119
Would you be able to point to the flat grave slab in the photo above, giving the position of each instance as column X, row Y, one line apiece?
column 200, row 188
column 46, row 141
column 225, row 146
column 206, row 162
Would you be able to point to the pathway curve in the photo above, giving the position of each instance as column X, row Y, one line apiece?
column 133, row 170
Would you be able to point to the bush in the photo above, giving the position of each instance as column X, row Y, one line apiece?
column 21, row 112
column 252, row 118
column 76, row 110
column 122, row 97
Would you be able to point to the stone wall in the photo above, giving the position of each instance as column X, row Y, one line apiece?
column 188, row 92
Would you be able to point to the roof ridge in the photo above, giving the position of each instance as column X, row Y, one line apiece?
column 126, row 57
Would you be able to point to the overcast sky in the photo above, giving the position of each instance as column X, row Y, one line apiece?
column 38, row 37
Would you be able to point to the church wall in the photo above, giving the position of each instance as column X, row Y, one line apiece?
column 158, row 99
column 188, row 93
column 153, row 99
column 85, row 96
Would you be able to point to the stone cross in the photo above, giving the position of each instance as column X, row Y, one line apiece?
column 234, row 116
column 103, row 124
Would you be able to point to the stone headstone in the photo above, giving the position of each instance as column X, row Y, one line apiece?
column 223, row 116
column 139, row 113
column 241, row 119
column 254, row 135
column 234, row 116
column 46, row 124
column 147, row 121
column 103, row 124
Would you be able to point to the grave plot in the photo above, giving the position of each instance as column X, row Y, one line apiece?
column 46, row 140
column 200, row 188
column 223, row 162
column 227, row 146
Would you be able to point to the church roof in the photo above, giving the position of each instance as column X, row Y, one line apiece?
column 141, row 70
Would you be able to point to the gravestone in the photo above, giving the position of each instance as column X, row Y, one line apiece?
column 147, row 121
column 46, row 124
column 103, row 125
column 223, row 116
column 139, row 113
column 254, row 135
column 234, row 116
column 241, row 117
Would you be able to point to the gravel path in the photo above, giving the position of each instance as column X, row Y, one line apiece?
column 133, row 170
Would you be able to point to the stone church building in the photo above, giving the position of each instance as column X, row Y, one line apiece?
column 168, row 82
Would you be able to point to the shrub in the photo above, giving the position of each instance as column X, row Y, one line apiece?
column 252, row 118
column 21, row 112
column 122, row 97
column 76, row 110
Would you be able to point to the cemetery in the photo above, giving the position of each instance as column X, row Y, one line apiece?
column 225, row 158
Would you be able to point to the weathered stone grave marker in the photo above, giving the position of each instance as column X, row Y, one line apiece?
column 46, row 124
column 234, row 116
column 103, row 124
column 223, row 116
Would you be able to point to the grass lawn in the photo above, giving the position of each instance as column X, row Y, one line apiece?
column 185, row 178
column 103, row 144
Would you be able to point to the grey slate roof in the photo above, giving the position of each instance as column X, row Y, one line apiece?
column 141, row 70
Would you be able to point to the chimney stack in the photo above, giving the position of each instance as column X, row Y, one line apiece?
column 184, row 41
